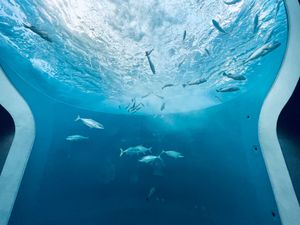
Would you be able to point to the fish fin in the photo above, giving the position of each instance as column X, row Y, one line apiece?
column 184, row 85
column 122, row 152
column 77, row 118
column 162, row 152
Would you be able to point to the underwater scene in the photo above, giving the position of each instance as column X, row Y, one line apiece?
column 146, row 112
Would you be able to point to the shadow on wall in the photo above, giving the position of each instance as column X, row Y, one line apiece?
column 7, row 132
column 288, row 131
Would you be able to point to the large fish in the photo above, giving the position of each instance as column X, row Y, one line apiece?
column 76, row 137
column 136, row 150
column 90, row 123
column 234, row 77
column 173, row 154
column 264, row 50
column 150, row 158
column 218, row 27
column 196, row 82
column 148, row 53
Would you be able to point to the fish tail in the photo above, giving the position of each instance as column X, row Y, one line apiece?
column 161, row 160
column 77, row 118
column 184, row 85
column 162, row 152
column 122, row 152
column 150, row 149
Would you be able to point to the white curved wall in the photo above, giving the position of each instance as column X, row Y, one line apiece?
column 278, row 96
column 19, row 152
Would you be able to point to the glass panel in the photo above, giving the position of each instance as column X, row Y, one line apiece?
column 167, row 136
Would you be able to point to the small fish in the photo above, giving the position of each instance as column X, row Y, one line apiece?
column 228, row 89
column 232, row 2
column 207, row 52
column 150, row 159
column 76, row 138
column 167, row 85
column 150, row 193
column 35, row 30
column 238, row 77
column 196, row 82
column 180, row 64
column 136, row 150
column 264, row 50
column 146, row 95
column 158, row 96
column 163, row 106
column 184, row 35
column 218, row 27
column 148, row 53
column 172, row 154
column 90, row 123
column 255, row 24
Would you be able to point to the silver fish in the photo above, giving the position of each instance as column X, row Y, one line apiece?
column 150, row 159
column 234, row 77
column 232, row 2
column 148, row 53
column 218, row 27
column 264, row 50
column 136, row 150
column 173, row 154
column 228, row 89
column 90, row 123
column 196, row 82
column 76, row 137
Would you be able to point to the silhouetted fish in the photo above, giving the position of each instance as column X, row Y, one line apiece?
column 37, row 31
column 184, row 35
column 148, row 53
column 231, row 2
column 255, row 24
column 218, row 27
column 167, row 85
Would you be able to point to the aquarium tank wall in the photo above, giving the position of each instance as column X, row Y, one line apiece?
column 146, row 112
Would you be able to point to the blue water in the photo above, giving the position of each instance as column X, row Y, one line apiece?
column 222, row 178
